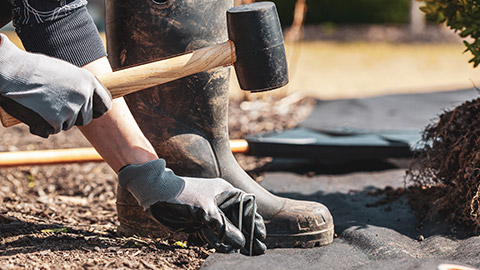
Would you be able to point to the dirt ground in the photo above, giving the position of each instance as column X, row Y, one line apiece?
column 64, row 216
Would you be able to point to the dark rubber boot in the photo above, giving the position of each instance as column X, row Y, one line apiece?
column 186, row 120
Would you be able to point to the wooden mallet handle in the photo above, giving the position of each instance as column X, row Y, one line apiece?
column 129, row 80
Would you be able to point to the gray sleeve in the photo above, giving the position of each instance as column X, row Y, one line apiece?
column 72, row 37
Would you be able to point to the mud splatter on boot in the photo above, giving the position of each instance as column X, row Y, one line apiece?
column 186, row 120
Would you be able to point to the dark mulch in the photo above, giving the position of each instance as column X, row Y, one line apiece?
column 448, row 171
column 63, row 216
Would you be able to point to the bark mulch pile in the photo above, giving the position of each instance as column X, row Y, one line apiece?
column 64, row 217
column 447, row 174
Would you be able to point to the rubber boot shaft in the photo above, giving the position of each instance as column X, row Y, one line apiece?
column 172, row 115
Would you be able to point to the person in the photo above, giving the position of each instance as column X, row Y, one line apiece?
column 53, row 88
column 187, row 119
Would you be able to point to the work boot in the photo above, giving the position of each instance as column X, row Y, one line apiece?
column 186, row 120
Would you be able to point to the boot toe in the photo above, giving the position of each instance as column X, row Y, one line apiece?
column 300, row 224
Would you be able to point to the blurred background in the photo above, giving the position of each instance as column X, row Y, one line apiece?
column 358, row 48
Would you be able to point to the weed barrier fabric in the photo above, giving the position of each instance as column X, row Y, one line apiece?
column 390, row 113
column 376, row 227
column 324, row 147
column 346, row 130
column 376, row 230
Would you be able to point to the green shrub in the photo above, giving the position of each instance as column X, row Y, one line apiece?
column 463, row 16
column 348, row 11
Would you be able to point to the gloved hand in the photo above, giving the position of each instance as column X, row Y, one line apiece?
column 47, row 94
column 209, row 207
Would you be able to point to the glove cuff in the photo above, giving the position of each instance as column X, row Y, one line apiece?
column 150, row 182
column 7, row 49
column 10, row 64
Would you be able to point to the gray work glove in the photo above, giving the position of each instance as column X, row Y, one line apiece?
column 47, row 94
column 208, row 207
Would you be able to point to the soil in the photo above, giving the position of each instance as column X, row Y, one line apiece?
column 448, row 170
column 64, row 216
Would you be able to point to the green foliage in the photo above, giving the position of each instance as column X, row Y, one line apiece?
column 348, row 11
column 463, row 16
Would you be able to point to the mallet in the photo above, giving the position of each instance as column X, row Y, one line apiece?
column 255, row 48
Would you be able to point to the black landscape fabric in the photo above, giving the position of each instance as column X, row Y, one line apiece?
column 376, row 227
column 360, row 129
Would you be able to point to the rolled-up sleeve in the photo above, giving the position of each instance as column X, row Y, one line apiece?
column 62, row 29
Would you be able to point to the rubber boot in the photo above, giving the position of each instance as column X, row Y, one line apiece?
column 186, row 120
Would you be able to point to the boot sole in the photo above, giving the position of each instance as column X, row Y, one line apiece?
column 300, row 240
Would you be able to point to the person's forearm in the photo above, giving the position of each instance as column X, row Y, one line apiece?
column 71, row 35
column 116, row 136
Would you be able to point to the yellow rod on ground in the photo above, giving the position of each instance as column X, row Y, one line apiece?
column 46, row 157
column 239, row 146
column 74, row 155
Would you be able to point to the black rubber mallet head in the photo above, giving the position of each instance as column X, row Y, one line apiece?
column 257, row 34
column 255, row 49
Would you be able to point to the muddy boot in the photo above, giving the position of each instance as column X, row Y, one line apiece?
column 186, row 120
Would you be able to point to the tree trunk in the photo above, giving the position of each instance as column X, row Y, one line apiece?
column 417, row 17
column 296, row 30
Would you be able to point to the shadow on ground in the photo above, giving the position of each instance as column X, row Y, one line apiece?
column 27, row 237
